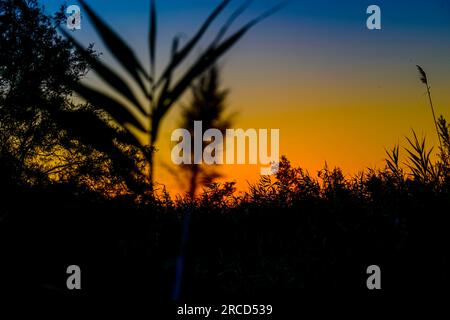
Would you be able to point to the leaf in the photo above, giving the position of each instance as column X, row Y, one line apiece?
column 118, row 48
column 109, row 76
column 210, row 56
column 230, row 21
column 182, row 54
column 267, row 13
column 118, row 112
column 203, row 63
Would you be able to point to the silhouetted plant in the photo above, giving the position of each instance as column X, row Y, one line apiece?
column 424, row 79
column 160, row 93
column 218, row 195
column 445, row 151
column 393, row 164
column 419, row 160
column 208, row 103
column 445, row 137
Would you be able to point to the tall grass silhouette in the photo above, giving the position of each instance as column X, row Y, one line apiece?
column 161, row 92
column 424, row 79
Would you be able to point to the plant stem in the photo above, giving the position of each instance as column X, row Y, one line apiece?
column 434, row 116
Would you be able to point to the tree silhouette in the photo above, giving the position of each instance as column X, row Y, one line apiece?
column 37, row 67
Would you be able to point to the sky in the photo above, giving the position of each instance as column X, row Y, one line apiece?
column 339, row 92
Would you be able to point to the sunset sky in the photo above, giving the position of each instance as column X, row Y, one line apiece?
column 337, row 91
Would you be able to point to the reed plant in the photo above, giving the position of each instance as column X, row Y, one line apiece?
column 161, row 92
column 424, row 79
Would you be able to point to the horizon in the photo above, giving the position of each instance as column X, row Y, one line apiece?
column 339, row 93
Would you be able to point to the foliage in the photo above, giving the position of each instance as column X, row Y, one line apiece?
column 161, row 93
column 37, row 69
column 293, row 234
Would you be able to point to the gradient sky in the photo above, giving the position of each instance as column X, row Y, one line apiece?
column 337, row 91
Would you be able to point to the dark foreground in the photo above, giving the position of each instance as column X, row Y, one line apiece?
column 282, row 248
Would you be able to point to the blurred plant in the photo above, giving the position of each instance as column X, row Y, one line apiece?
column 208, row 105
column 160, row 93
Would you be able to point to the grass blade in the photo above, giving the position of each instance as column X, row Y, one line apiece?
column 109, row 76
column 230, row 21
column 118, row 48
column 183, row 53
column 203, row 63
column 117, row 111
